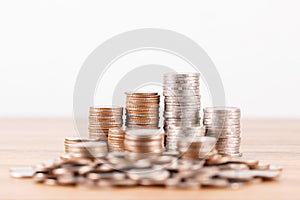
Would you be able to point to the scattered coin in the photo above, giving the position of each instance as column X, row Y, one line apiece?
column 22, row 172
column 236, row 175
column 39, row 177
column 165, row 170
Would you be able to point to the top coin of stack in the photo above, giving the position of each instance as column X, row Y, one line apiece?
column 73, row 140
column 176, row 133
column 116, row 139
column 196, row 147
column 224, row 124
column 144, row 143
column 182, row 99
column 101, row 119
column 142, row 110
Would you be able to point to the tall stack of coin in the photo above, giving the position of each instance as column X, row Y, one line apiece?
column 116, row 139
column 88, row 149
column 73, row 140
column 182, row 100
column 196, row 147
column 224, row 124
column 142, row 110
column 101, row 119
column 144, row 143
column 175, row 133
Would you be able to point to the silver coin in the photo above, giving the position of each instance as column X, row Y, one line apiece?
column 168, row 99
column 222, row 116
column 181, row 75
column 22, row 172
column 40, row 177
column 174, row 85
column 140, row 174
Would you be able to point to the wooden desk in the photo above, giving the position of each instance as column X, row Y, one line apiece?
column 30, row 141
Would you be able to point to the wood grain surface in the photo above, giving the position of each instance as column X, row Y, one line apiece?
column 30, row 141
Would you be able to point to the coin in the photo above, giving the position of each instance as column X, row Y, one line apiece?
column 175, row 133
column 222, row 110
column 116, row 139
column 73, row 140
column 224, row 124
column 195, row 147
column 140, row 174
column 39, row 177
column 249, row 162
column 102, row 118
column 265, row 174
column 143, row 142
column 182, row 103
column 141, row 93
column 236, row 175
column 88, row 150
column 22, row 172
column 261, row 166
column 150, row 169
column 142, row 109
column 195, row 155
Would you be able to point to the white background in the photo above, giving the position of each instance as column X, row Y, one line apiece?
column 255, row 45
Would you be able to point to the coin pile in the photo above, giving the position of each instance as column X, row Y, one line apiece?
column 142, row 110
column 137, row 155
column 143, row 143
column 116, row 139
column 182, row 100
column 101, row 119
column 196, row 147
column 115, row 170
column 224, row 124
column 88, row 149
column 175, row 133
column 73, row 140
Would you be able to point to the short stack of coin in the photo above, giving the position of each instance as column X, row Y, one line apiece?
column 224, row 124
column 116, row 139
column 144, row 143
column 196, row 147
column 175, row 133
column 88, row 150
column 142, row 110
column 182, row 99
column 101, row 119
column 73, row 140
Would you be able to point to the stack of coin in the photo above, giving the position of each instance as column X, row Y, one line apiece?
column 175, row 133
column 224, row 124
column 101, row 119
column 116, row 139
column 196, row 147
column 144, row 143
column 73, row 140
column 142, row 110
column 182, row 100
column 88, row 149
